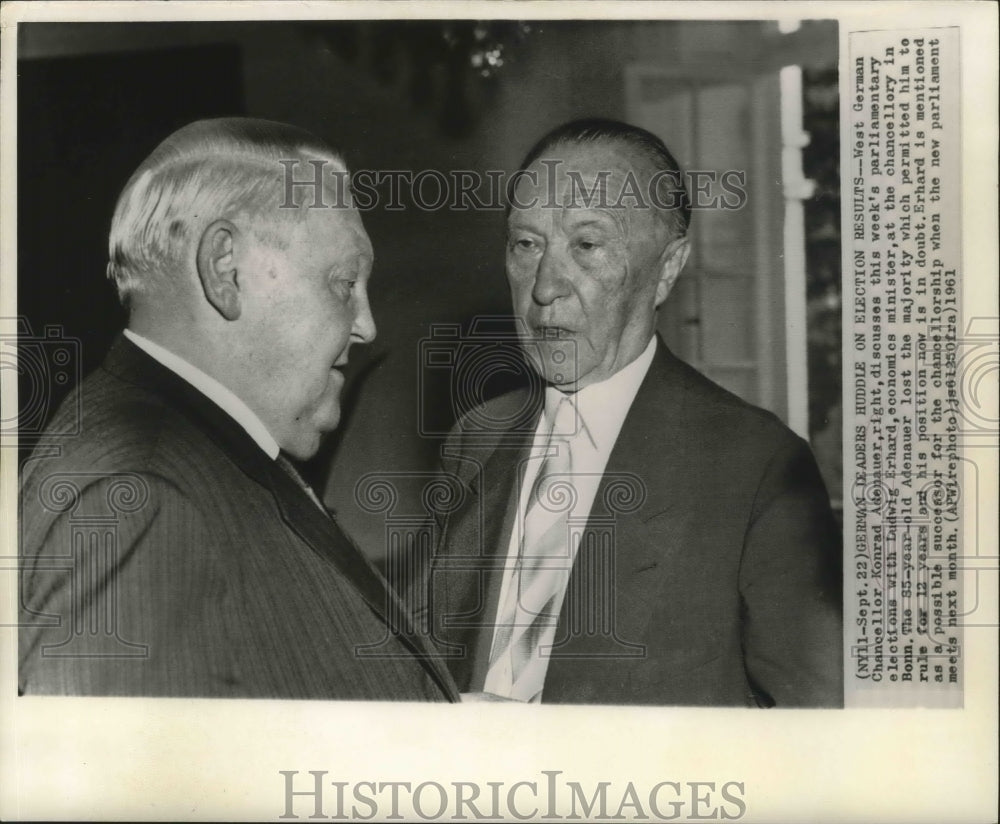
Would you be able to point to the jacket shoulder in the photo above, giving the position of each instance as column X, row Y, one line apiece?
column 109, row 425
column 726, row 418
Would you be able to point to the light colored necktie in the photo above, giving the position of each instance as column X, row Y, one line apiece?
column 534, row 597
column 293, row 473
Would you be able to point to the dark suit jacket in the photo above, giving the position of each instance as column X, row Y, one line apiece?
column 716, row 583
column 164, row 554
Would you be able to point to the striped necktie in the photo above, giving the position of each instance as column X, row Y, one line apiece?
column 527, row 623
column 293, row 473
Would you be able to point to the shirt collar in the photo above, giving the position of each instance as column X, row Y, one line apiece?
column 211, row 389
column 601, row 407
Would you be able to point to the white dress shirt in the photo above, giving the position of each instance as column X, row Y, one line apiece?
column 211, row 389
column 601, row 410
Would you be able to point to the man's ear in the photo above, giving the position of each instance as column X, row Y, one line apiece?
column 217, row 268
column 671, row 263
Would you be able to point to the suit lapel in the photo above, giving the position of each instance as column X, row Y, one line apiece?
column 471, row 573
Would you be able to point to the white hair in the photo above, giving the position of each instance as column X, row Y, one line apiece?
column 210, row 169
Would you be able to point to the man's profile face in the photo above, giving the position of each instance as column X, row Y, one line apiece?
column 583, row 277
column 308, row 303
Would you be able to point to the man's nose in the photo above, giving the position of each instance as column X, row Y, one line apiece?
column 550, row 280
column 364, row 330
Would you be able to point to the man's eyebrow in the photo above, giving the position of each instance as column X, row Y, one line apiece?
column 600, row 218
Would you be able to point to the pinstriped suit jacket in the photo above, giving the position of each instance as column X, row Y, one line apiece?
column 164, row 554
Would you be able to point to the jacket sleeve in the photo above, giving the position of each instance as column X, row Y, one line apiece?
column 790, row 584
column 120, row 591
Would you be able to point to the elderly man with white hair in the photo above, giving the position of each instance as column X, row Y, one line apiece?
column 171, row 548
column 629, row 532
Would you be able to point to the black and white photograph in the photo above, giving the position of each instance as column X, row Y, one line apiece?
column 629, row 372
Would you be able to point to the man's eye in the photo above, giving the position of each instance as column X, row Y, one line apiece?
column 587, row 245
